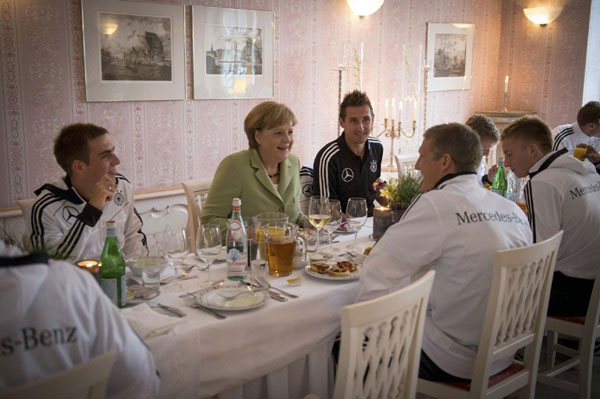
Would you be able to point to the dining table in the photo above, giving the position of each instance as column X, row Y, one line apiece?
column 278, row 350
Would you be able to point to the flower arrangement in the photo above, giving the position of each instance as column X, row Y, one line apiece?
column 399, row 192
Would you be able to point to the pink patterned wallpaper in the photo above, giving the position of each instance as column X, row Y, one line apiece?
column 164, row 142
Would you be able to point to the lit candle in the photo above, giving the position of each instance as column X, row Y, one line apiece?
column 506, row 85
column 415, row 110
column 400, row 111
column 386, row 109
column 393, row 108
column 90, row 266
column 382, row 219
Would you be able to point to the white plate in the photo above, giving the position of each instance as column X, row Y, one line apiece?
column 353, row 275
column 340, row 231
column 214, row 300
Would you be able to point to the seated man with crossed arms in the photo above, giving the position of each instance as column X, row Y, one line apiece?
column 454, row 227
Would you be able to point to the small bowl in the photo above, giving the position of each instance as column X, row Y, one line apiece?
column 136, row 265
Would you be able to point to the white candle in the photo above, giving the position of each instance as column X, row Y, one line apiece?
column 386, row 109
column 403, row 67
column 393, row 108
column 506, row 85
column 400, row 111
column 419, row 71
column 415, row 110
column 362, row 51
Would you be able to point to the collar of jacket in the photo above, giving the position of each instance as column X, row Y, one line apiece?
column 69, row 194
column 285, row 175
column 548, row 162
column 449, row 177
column 31, row 259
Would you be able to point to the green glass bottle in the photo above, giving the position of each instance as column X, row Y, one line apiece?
column 112, row 268
column 500, row 184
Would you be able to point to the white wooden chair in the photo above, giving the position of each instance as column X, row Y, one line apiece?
column 85, row 380
column 514, row 319
column 196, row 192
column 587, row 329
column 388, row 363
column 405, row 163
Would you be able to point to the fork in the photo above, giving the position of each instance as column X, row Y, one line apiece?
column 264, row 283
column 250, row 291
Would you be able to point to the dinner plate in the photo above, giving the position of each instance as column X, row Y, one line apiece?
column 342, row 231
column 353, row 275
column 214, row 300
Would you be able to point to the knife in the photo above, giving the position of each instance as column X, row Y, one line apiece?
column 277, row 297
column 171, row 309
column 207, row 310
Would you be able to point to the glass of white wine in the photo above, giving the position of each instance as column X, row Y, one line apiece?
column 319, row 214
column 334, row 221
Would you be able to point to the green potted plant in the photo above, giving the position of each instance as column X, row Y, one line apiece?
column 398, row 193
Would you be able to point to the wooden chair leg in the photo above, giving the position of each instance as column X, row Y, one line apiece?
column 552, row 341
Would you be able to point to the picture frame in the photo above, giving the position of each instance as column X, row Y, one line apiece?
column 133, row 51
column 449, row 56
column 233, row 53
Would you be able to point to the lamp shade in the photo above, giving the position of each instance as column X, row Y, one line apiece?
column 362, row 8
column 542, row 15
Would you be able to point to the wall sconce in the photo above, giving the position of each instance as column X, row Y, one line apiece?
column 542, row 15
column 362, row 8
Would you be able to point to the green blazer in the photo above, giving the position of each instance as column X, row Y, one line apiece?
column 243, row 175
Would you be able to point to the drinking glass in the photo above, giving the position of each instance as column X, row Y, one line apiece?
column 176, row 246
column 208, row 243
column 258, row 264
column 335, row 220
column 356, row 215
column 319, row 214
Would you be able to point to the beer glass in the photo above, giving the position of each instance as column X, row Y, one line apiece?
column 281, row 239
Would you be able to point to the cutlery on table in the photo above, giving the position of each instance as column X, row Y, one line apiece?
column 171, row 309
column 213, row 286
column 192, row 303
column 181, row 277
column 250, row 291
column 277, row 297
column 264, row 283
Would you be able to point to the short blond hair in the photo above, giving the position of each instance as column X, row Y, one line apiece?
column 459, row 141
column 530, row 129
column 267, row 115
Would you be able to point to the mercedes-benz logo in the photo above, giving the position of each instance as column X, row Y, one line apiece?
column 347, row 175
column 307, row 190
column 69, row 212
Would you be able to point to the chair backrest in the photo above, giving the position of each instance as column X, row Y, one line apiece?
column 405, row 163
column 306, row 181
column 85, row 380
column 173, row 216
column 381, row 344
column 516, row 311
column 196, row 192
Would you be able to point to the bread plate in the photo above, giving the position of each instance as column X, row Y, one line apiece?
column 351, row 275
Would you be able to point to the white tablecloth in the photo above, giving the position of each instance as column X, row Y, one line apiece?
column 280, row 350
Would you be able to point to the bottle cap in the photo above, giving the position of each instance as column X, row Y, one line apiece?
column 237, row 202
column 110, row 224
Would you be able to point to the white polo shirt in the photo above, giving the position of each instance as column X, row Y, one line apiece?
column 454, row 229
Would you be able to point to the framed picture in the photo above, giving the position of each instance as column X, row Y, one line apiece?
column 449, row 56
column 133, row 51
column 233, row 53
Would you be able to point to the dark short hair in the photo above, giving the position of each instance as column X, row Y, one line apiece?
column 266, row 115
column 484, row 127
column 355, row 98
column 72, row 143
column 589, row 113
column 460, row 142
column 530, row 129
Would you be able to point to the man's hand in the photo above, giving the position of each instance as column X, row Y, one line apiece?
column 491, row 174
column 104, row 190
column 591, row 154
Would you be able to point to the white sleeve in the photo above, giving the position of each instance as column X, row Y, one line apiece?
column 544, row 207
column 407, row 248
column 134, row 373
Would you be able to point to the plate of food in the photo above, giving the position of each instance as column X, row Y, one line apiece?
column 232, row 299
column 344, row 228
column 334, row 270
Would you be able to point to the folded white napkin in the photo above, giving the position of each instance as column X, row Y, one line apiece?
column 147, row 323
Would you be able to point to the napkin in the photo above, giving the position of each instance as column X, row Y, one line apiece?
column 147, row 323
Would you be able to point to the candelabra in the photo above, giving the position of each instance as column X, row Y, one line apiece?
column 395, row 133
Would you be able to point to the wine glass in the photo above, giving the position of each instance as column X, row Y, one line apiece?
column 176, row 246
column 356, row 215
column 319, row 214
column 335, row 220
column 208, row 243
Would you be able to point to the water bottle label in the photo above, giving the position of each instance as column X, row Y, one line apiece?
column 109, row 286
column 123, row 291
column 236, row 263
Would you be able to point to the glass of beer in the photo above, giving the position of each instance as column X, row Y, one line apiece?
column 579, row 153
column 281, row 239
